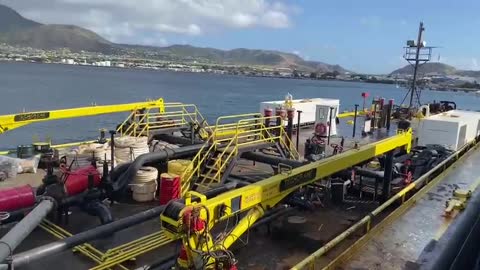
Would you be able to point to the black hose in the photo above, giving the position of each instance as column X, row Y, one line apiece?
column 272, row 160
column 29, row 256
column 15, row 216
column 176, row 139
column 369, row 173
column 119, row 170
column 100, row 210
column 120, row 183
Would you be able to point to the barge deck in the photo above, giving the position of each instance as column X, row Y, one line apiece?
column 400, row 244
column 285, row 239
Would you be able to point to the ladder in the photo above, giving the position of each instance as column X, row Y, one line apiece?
column 218, row 156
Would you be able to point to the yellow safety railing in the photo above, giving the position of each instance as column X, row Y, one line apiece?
column 197, row 162
column 133, row 249
column 228, row 138
column 174, row 115
column 86, row 249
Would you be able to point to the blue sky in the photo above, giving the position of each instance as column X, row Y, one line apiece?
column 364, row 36
column 368, row 35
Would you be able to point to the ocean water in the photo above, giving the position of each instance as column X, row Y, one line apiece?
column 34, row 87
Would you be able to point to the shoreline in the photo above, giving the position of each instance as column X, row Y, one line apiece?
column 435, row 88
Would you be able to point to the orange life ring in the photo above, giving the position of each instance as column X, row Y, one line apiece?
column 320, row 129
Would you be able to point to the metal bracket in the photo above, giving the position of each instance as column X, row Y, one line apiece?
column 284, row 169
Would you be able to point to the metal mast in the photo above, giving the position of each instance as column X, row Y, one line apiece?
column 415, row 69
column 416, row 53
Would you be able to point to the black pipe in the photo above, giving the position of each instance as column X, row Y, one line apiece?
column 273, row 214
column 280, row 114
column 389, row 113
column 374, row 125
column 387, row 178
column 102, row 139
column 369, row 173
column 355, row 121
column 298, row 128
column 29, row 256
column 192, row 133
column 100, row 210
column 290, row 115
column 272, row 160
column 176, row 139
column 119, row 170
column 112, row 149
column 16, row 215
column 118, row 185
column 329, row 125
column 101, row 231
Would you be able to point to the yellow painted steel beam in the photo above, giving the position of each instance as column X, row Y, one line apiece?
column 12, row 121
column 244, row 225
column 269, row 192
column 265, row 194
column 351, row 114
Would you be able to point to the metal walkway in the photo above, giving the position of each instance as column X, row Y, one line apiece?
column 399, row 245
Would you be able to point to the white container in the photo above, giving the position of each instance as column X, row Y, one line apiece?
column 322, row 116
column 307, row 106
column 452, row 129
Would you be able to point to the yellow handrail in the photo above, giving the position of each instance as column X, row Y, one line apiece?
column 175, row 114
column 242, row 129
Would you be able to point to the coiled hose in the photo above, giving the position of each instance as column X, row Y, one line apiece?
column 144, row 186
column 129, row 148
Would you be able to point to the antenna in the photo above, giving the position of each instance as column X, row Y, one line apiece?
column 416, row 54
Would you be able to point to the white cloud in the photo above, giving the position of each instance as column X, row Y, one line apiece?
column 191, row 29
column 130, row 20
column 296, row 52
column 243, row 20
column 275, row 19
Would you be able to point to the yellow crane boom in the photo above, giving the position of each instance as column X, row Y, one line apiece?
column 192, row 219
column 13, row 121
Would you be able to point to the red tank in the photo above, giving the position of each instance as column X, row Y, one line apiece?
column 16, row 198
column 169, row 187
column 77, row 181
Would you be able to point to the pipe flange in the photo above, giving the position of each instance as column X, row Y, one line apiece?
column 48, row 198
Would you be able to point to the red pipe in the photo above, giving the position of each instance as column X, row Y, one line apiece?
column 16, row 198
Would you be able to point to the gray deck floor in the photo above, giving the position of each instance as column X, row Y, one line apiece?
column 400, row 244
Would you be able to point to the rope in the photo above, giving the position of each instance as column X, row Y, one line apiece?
column 129, row 148
column 145, row 185
column 146, row 174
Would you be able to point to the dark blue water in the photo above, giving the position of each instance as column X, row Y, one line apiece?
column 34, row 87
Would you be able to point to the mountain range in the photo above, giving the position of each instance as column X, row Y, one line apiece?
column 19, row 31
column 435, row 69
